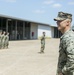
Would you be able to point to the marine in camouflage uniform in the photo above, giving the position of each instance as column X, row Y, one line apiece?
column 0, row 39
column 6, row 40
column 66, row 47
column 3, row 40
column 42, row 43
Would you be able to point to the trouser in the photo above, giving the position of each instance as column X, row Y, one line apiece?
column 42, row 47
column 3, row 45
column 6, row 45
column 0, row 45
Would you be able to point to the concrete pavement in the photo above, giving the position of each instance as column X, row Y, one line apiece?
column 22, row 58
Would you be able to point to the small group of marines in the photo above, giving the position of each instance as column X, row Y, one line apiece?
column 4, row 39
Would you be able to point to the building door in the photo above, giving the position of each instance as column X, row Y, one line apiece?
column 3, row 24
column 11, row 30
column 57, row 34
column 27, row 30
column 19, row 30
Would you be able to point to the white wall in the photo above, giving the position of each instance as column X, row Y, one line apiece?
column 44, row 28
column 52, row 32
column 34, row 28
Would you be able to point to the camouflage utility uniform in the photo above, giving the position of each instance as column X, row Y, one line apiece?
column 42, row 43
column 0, row 41
column 3, row 41
column 6, row 41
column 66, row 54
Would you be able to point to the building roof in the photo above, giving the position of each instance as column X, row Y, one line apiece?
column 53, row 25
column 15, row 18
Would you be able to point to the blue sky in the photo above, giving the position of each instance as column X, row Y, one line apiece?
column 43, row 11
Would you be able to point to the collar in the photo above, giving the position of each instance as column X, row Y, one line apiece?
column 65, row 33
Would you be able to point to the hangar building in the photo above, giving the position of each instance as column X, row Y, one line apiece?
column 20, row 29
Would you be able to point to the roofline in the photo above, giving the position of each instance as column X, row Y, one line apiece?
column 53, row 26
column 10, row 17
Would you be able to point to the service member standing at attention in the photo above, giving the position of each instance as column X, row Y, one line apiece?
column 3, row 39
column 0, row 39
column 42, row 43
column 66, row 47
column 6, row 40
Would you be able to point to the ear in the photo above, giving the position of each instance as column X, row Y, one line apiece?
column 68, row 22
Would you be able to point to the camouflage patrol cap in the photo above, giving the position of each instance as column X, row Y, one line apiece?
column 63, row 16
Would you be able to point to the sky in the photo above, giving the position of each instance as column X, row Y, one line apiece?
column 43, row 11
